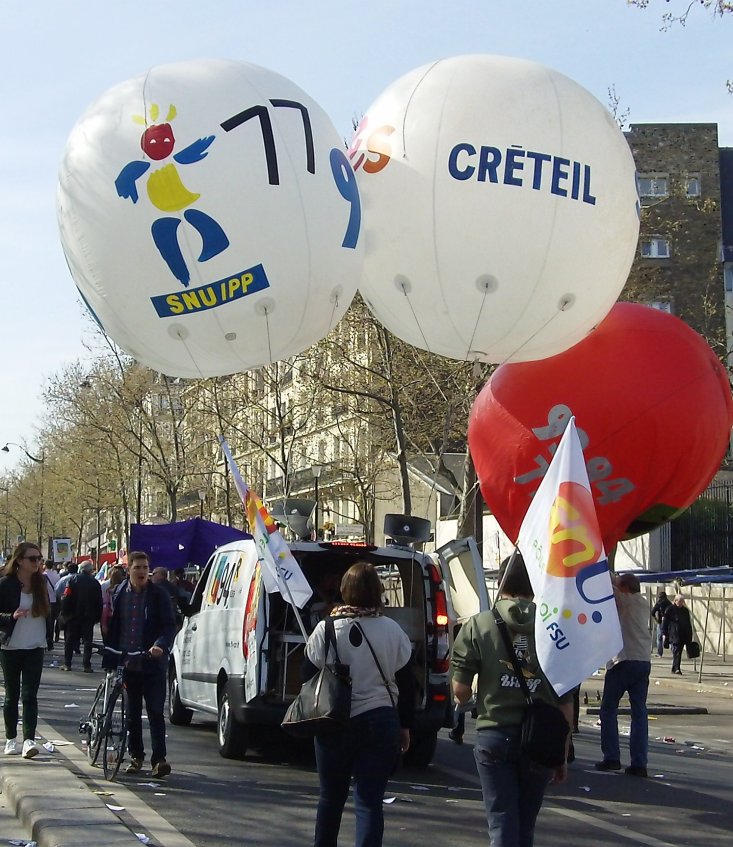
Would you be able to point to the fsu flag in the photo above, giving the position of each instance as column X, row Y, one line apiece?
column 280, row 571
column 576, row 628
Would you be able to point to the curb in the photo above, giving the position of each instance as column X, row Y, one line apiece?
column 720, row 689
column 58, row 809
column 651, row 710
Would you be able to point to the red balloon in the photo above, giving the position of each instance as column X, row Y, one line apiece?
column 653, row 409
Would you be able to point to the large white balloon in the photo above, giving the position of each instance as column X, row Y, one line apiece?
column 500, row 207
column 210, row 217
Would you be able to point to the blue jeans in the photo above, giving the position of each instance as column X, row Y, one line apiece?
column 513, row 788
column 634, row 678
column 367, row 750
column 150, row 684
column 660, row 640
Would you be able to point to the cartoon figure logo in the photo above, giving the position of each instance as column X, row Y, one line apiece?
column 167, row 192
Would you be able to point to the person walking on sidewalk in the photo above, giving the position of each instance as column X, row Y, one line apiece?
column 458, row 730
column 24, row 608
column 81, row 606
column 627, row 672
column 64, row 580
column 658, row 609
column 159, row 576
column 142, row 619
column 51, row 577
column 109, row 586
column 677, row 630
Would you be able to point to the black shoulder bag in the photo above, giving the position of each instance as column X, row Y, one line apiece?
column 323, row 705
column 544, row 728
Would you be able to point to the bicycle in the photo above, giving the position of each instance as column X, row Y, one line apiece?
column 105, row 725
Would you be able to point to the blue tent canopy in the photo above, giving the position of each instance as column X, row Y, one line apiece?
column 177, row 545
column 689, row 577
column 704, row 579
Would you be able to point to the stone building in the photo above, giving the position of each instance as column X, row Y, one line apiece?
column 679, row 263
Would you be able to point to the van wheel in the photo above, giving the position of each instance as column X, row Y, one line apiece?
column 231, row 735
column 178, row 714
column 422, row 749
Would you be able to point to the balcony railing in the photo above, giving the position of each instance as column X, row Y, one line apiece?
column 302, row 481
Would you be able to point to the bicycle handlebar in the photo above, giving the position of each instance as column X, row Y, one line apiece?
column 126, row 652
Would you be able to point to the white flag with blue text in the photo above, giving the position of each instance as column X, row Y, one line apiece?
column 577, row 627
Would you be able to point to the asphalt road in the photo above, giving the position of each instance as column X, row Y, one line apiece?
column 270, row 798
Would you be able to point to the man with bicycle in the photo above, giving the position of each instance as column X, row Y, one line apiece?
column 143, row 619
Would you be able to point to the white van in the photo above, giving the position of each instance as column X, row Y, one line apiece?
column 239, row 653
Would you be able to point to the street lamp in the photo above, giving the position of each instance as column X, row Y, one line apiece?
column 7, row 510
column 202, row 500
column 42, row 463
column 9, row 444
column 316, row 471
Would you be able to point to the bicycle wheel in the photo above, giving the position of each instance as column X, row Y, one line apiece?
column 115, row 733
column 92, row 726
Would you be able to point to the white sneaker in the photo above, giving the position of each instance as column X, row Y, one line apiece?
column 11, row 747
column 30, row 749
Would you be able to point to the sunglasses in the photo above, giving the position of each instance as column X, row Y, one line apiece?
column 34, row 558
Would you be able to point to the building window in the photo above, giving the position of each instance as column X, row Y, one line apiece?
column 655, row 248
column 692, row 185
column 652, row 187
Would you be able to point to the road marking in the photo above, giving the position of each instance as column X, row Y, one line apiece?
column 466, row 776
column 629, row 835
column 636, row 837
column 156, row 826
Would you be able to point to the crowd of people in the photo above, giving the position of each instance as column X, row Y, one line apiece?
column 136, row 612
column 139, row 612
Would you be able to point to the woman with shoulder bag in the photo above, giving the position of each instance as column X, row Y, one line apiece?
column 24, row 608
column 513, row 786
column 677, row 630
column 378, row 652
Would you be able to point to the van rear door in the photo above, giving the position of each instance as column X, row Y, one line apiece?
column 463, row 573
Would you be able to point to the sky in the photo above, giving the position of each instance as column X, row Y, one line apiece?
column 59, row 56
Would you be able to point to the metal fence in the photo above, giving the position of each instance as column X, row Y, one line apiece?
column 702, row 537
